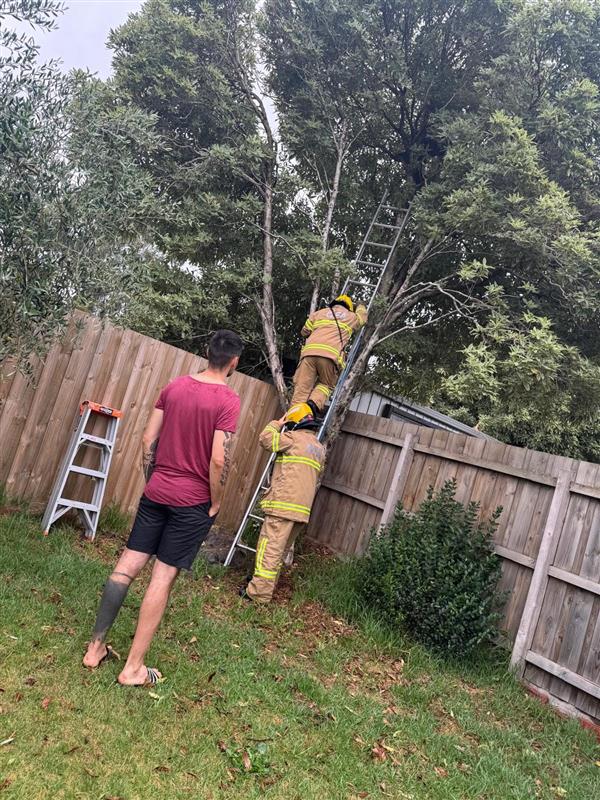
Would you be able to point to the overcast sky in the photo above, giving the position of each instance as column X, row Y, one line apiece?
column 80, row 38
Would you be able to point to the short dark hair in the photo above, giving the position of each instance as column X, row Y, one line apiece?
column 223, row 346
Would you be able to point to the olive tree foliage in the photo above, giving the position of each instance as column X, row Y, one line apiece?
column 72, row 196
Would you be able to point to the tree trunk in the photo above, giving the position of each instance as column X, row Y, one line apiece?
column 335, row 189
column 314, row 300
column 267, row 307
column 331, row 204
column 347, row 391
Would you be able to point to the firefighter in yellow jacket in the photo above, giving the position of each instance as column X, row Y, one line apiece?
column 288, row 501
column 327, row 333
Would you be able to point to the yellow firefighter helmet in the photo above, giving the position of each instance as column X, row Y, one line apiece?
column 345, row 300
column 298, row 412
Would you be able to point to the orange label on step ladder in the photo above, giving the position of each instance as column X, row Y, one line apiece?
column 100, row 409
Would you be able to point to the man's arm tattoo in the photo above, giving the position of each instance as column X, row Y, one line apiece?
column 149, row 459
column 227, row 444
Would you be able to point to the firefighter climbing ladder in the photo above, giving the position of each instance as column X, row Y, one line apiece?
column 81, row 438
column 388, row 221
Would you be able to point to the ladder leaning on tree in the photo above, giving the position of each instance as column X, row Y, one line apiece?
column 372, row 261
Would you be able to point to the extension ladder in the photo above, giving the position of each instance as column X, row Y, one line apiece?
column 382, row 234
column 81, row 439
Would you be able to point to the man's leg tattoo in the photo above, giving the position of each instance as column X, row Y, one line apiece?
column 113, row 596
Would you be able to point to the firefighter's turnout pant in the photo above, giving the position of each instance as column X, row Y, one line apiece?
column 315, row 380
column 277, row 536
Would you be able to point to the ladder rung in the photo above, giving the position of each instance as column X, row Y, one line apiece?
column 255, row 516
column 64, row 501
column 370, row 263
column 92, row 473
column 379, row 244
column 392, row 208
column 87, row 437
column 365, row 285
column 246, row 547
column 385, row 225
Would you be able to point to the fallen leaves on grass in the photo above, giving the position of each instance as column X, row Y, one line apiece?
column 29, row 681
column 441, row 772
column 373, row 677
column 45, row 703
column 378, row 753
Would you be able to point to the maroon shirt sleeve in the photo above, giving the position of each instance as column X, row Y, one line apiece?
column 160, row 403
column 228, row 414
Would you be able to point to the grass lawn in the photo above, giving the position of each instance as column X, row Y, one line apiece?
column 286, row 701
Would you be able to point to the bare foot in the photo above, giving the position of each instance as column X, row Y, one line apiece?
column 137, row 677
column 96, row 651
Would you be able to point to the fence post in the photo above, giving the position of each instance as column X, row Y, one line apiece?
column 539, row 579
column 399, row 478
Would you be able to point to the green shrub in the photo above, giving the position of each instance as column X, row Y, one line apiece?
column 435, row 573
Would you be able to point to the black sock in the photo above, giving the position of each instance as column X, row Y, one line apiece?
column 113, row 597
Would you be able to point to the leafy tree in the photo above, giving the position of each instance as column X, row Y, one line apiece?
column 309, row 51
column 194, row 65
column 526, row 387
column 487, row 220
column 72, row 196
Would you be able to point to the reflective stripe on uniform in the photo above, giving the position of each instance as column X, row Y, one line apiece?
column 327, row 347
column 326, row 323
column 320, row 387
column 260, row 571
column 311, row 462
column 276, row 441
column 333, row 350
column 309, row 324
column 280, row 505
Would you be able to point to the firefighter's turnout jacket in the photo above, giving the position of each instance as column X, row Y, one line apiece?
column 329, row 330
column 300, row 459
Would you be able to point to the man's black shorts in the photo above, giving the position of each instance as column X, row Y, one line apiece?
column 172, row 533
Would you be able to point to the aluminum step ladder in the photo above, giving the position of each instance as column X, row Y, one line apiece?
column 82, row 439
column 374, row 255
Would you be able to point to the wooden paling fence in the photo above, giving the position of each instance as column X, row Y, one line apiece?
column 549, row 531
column 548, row 536
column 126, row 370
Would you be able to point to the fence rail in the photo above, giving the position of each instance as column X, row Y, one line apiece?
column 548, row 535
column 126, row 370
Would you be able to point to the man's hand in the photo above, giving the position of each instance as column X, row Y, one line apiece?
column 214, row 510
column 282, row 420
column 150, row 442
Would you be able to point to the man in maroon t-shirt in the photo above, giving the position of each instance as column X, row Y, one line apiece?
column 186, row 457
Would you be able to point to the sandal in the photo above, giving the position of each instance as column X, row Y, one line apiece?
column 110, row 655
column 153, row 678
